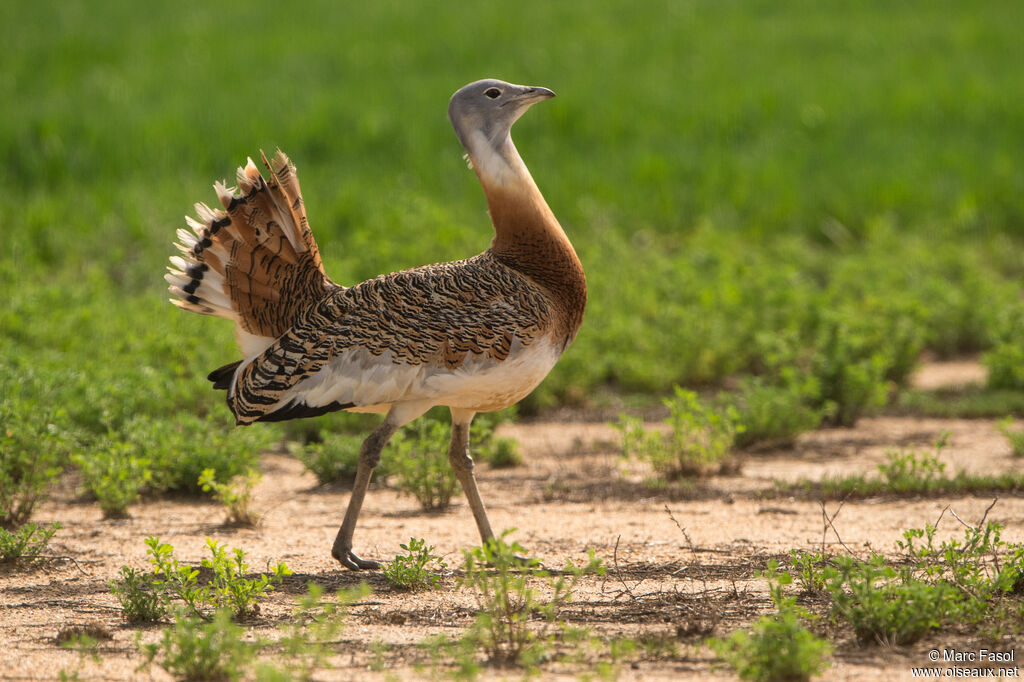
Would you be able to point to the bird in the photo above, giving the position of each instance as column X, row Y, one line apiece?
column 474, row 335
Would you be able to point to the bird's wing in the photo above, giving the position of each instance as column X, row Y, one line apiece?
column 410, row 335
column 255, row 261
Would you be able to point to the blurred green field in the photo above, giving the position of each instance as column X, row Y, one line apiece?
column 748, row 184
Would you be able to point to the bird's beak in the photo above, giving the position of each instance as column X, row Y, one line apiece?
column 528, row 96
column 536, row 94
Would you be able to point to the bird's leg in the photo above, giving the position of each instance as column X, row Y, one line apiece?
column 462, row 463
column 369, row 457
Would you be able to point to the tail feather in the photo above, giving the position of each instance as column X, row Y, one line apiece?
column 223, row 376
column 255, row 260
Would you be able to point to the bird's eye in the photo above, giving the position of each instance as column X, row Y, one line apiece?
column 493, row 93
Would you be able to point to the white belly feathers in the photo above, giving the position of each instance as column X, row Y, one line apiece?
column 373, row 383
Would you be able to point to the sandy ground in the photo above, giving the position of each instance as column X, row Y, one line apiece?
column 571, row 494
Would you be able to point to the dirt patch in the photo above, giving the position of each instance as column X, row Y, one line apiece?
column 571, row 495
column 950, row 374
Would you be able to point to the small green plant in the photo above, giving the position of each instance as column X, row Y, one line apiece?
column 885, row 604
column 180, row 450
column 409, row 571
column 915, row 472
column 850, row 365
column 982, row 565
column 500, row 453
column 775, row 414
column 141, row 601
column 27, row 542
column 507, row 602
column 114, row 475
column 236, row 495
column 808, row 570
column 497, row 451
column 908, row 473
column 194, row 649
column 334, row 459
column 309, row 638
column 1005, row 365
column 970, row 402
column 699, row 442
column 228, row 588
column 972, row 581
column 1014, row 435
column 779, row 647
column 33, row 451
column 419, row 459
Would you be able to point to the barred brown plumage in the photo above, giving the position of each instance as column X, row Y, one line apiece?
column 474, row 335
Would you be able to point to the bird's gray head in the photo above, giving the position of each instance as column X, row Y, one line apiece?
column 488, row 108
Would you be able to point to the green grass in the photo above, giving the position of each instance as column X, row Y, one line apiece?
column 518, row 606
column 194, row 649
column 731, row 174
column 235, row 495
column 1013, row 434
column 699, row 441
column 778, row 647
column 970, row 402
column 973, row 581
column 906, row 473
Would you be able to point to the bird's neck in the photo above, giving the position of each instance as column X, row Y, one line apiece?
column 527, row 235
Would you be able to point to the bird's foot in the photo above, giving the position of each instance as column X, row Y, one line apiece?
column 352, row 561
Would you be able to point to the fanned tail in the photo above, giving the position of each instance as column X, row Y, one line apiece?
column 254, row 261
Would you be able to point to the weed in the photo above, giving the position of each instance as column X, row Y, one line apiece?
column 228, row 588
column 808, row 568
column 698, row 444
column 179, row 451
column 194, row 649
column 314, row 628
column 419, row 459
column 969, row 402
column 930, row 586
column 334, row 459
column 27, row 542
column 409, row 571
column 506, row 604
column 506, row 601
column 497, row 451
column 32, row 454
column 907, row 473
column 778, row 647
column 236, row 495
column 775, row 414
column 141, row 601
column 938, row 241
column 913, row 472
column 885, row 604
column 500, row 453
column 1005, row 365
column 114, row 475
column 850, row 368
column 1015, row 436
column 982, row 565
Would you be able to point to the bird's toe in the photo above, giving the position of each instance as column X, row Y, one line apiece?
column 354, row 562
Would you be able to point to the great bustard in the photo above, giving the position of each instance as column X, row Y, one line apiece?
column 475, row 335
